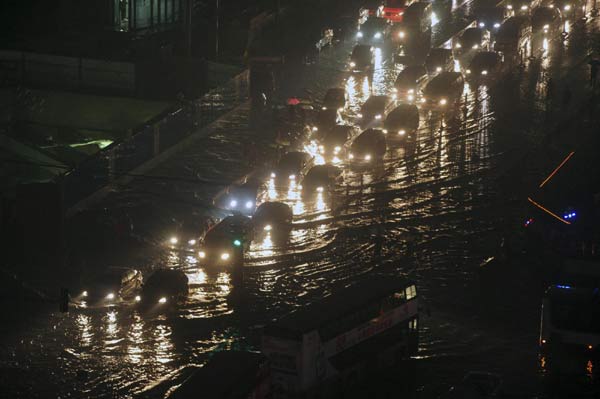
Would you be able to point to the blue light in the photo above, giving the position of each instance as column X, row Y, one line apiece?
column 565, row 287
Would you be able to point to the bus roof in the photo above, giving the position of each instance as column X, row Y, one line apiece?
column 241, row 370
column 335, row 306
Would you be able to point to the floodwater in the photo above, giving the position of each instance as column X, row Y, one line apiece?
column 442, row 204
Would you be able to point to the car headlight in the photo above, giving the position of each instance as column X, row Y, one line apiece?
column 337, row 149
column 411, row 91
column 138, row 298
column 394, row 96
column 423, row 99
column 377, row 35
column 410, row 97
column 249, row 204
column 173, row 240
column 482, row 24
column 192, row 242
column 351, row 156
column 438, row 69
column 395, row 90
column 475, row 46
column 368, row 157
column 359, row 115
column 352, row 64
column 314, row 129
column 468, row 71
column 458, row 44
column 443, row 101
column 233, row 203
column 484, row 72
column 384, row 131
column 110, row 296
column 402, row 132
column 162, row 300
column 401, row 34
column 324, row 108
column 523, row 7
column 319, row 189
column 546, row 26
column 273, row 175
column 224, row 256
column 202, row 254
column 359, row 34
column 567, row 7
column 510, row 7
column 84, row 293
column 268, row 228
column 292, row 177
column 378, row 116
column 496, row 25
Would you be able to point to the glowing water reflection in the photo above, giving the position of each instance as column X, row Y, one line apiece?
column 135, row 338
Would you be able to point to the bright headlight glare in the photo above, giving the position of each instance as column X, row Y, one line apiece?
column 173, row 240
column 458, row 44
column 202, row 254
column 314, row 129
column 351, row 156
column 249, row 204
column 324, row 108
column 367, row 157
column 402, row 132
column 377, row 35
column 233, row 203
column 359, row 34
column 410, row 97
column 378, row 116
column 523, row 7
column 475, row 46
column 468, row 71
column 138, row 298
column 319, row 189
column 192, row 242
column 292, row 177
column 359, row 115
column 401, row 35
column 482, row 25
column 337, row 149
column 224, row 256
column 567, row 7
column 546, row 26
column 438, row 69
column 510, row 7
column 496, row 25
column 162, row 300
column 268, row 227
column 352, row 64
column 443, row 101
column 484, row 72
column 110, row 296
column 273, row 175
column 384, row 131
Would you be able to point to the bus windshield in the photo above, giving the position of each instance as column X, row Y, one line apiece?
column 579, row 316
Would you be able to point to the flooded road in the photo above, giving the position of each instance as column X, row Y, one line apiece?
column 442, row 205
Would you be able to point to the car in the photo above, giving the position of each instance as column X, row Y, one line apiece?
column 443, row 90
column 326, row 39
column 374, row 31
column 110, row 286
column 320, row 178
column 522, row 7
column 547, row 20
column 332, row 144
column 335, row 98
column 186, row 235
column 490, row 17
column 326, row 119
column 375, row 109
column 513, row 38
column 413, row 53
column 471, row 40
column 402, row 122
column 291, row 167
column 417, row 18
column 163, row 288
column 239, row 197
column 569, row 9
column 361, row 59
column 410, row 81
column 222, row 245
column 486, row 65
column 272, row 216
column 368, row 147
column 439, row 60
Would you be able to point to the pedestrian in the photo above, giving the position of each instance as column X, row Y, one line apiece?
column 593, row 74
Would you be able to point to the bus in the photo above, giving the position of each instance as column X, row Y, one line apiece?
column 330, row 345
column 393, row 10
column 570, row 319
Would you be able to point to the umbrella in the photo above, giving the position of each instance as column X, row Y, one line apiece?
column 293, row 101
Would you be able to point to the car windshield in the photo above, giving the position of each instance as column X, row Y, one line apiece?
column 576, row 315
column 375, row 103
